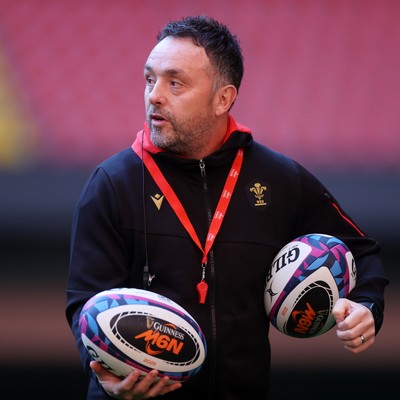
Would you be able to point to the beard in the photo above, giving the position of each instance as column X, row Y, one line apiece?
column 183, row 137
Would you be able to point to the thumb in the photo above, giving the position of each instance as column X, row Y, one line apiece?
column 99, row 370
column 341, row 310
column 96, row 366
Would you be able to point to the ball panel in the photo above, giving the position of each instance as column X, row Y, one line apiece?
column 127, row 329
column 305, row 279
column 289, row 258
column 152, row 332
column 306, row 310
column 108, row 360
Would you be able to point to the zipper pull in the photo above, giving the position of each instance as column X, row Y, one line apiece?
column 202, row 166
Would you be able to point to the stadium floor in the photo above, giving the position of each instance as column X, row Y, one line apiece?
column 68, row 383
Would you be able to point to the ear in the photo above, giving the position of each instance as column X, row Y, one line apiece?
column 224, row 99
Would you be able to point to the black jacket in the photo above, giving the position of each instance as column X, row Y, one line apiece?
column 109, row 238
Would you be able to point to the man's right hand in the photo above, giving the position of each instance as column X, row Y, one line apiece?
column 134, row 386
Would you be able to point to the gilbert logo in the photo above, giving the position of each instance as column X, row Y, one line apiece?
column 288, row 257
column 157, row 199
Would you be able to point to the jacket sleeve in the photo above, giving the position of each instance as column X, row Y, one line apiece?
column 323, row 214
column 98, row 258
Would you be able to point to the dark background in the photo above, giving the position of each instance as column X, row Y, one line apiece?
column 321, row 84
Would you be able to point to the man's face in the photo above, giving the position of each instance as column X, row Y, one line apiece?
column 179, row 96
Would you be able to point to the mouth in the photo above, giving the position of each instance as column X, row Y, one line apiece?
column 157, row 118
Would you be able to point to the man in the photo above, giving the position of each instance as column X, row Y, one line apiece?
column 126, row 229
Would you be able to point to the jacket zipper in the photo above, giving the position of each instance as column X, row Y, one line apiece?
column 210, row 273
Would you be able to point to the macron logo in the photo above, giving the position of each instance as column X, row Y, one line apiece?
column 157, row 200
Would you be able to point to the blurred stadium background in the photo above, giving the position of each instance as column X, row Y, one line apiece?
column 322, row 84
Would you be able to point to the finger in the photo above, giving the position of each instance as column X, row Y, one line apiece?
column 341, row 310
column 96, row 366
column 164, row 386
column 112, row 384
column 101, row 372
column 146, row 381
column 358, row 345
column 152, row 385
column 130, row 381
column 148, row 385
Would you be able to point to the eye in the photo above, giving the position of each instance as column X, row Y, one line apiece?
column 175, row 84
column 149, row 80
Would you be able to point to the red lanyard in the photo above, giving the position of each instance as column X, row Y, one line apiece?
column 176, row 205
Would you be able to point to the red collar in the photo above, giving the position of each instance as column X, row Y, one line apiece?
column 149, row 146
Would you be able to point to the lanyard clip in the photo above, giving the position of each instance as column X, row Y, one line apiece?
column 203, row 270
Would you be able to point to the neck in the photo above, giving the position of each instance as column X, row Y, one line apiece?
column 213, row 143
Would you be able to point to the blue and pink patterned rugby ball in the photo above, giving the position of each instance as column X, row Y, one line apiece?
column 304, row 281
column 128, row 329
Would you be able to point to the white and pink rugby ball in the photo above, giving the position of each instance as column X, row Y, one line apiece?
column 304, row 281
column 128, row 329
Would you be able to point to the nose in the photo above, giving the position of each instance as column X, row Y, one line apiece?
column 156, row 94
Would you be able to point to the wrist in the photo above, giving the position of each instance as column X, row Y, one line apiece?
column 376, row 313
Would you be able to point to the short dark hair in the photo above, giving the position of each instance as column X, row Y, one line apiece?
column 221, row 46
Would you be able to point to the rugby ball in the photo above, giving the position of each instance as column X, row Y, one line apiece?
column 304, row 281
column 128, row 329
